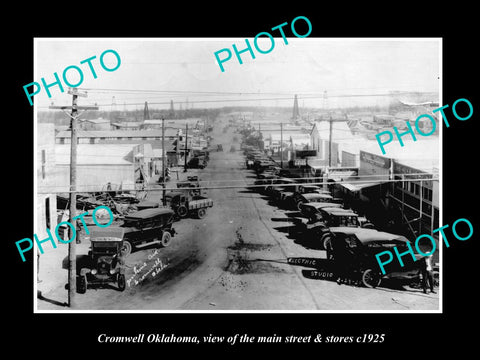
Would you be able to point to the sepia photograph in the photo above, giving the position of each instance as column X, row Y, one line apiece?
column 226, row 175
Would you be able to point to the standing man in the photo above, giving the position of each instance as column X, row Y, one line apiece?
column 427, row 275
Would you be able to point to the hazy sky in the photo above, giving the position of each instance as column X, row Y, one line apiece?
column 177, row 68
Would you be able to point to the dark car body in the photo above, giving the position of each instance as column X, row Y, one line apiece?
column 299, row 199
column 272, row 183
column 325, row 218
column 148, row 227
column 199, row 162
column 355, row 249
column 311, row 209
column 104, row 263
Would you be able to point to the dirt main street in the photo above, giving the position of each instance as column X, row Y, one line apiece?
column 235, row 258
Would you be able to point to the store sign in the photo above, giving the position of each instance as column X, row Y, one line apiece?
column 302, row 154
column 375, row 160
column 412, row 173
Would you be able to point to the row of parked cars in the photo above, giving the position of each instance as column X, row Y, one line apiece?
column 350, row 240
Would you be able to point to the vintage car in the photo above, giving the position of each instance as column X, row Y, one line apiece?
column 147, row 227
column 312, row 209
column 197, row 162
column 298, row 199
column 190, row 186
column 354, row 249
column 184, row 204
column 307, row 189
column 260, row 183
column 104, row 263
column 272, row 183
column 279, row 194
column 325, row 218
column 261, row 165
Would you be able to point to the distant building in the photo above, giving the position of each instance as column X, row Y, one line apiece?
column 97, row 165
column 46, row 180
column 116, row 136
column 127, row 125
column 95, row 124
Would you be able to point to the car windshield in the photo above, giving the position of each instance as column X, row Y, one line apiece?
column 351, row 221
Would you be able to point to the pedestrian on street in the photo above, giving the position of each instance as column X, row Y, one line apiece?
column 38, row 266
column 427, row 274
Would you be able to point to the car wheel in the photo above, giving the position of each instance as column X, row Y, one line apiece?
column 126, row 248
column 182, row 211
column 82, row 284
column 327, row 243
column 299, row 205
column 166, row 239
column 121, row 282
column 201, row 213
column 371, row 278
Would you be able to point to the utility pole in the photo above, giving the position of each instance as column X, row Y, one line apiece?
column 163, row 162
column 281, row 145
column 330, row 144
column 72, row 255
column 185, row 150
column 146, row 114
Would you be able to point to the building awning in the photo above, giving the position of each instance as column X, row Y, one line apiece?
column 341, row 175
column 358, row 187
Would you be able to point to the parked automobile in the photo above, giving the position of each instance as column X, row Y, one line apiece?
column 192, row 186
column 311, row 209
column 298, row 199
column 261, row 165
column 104, row 263
column 279, row 194
column 147, row 227
column 184, row 204
column 354, row 249
column 268, row 189
column 197, row 163
column 265, row 180
column 307, row 189
column 328, row 217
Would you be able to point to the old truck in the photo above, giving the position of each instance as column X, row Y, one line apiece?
column 184, row 204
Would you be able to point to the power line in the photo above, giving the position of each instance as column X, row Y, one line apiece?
column 354, row 182
column 314, row 96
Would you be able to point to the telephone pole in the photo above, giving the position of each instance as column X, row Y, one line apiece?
column 185, row 150
column 72, row 255
column 281, row 145
column 163, row 162
column 330, row 144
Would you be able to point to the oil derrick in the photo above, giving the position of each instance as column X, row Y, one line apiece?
column 172, row 111
column 146, row 114
column 296, row 113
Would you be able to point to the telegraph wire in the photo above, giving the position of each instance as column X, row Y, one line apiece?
column 250, row 186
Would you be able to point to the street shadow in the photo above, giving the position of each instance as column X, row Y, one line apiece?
column 51, row 301
column 107, row 286
column 291, row 220
column 248, row 191
column 296, row 234
column 294, row 214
